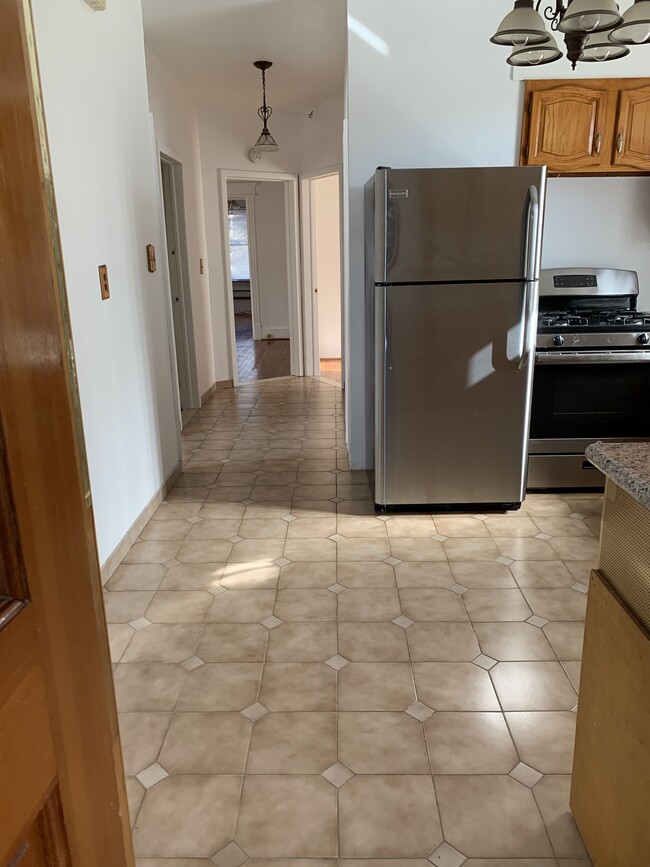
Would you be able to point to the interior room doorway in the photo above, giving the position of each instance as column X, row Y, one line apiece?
column 322, row 274
column 179, row 281
column 261, row 269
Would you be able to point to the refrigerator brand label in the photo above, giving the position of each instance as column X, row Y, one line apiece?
column 398, row 194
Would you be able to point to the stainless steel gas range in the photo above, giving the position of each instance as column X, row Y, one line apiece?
column 592, row 373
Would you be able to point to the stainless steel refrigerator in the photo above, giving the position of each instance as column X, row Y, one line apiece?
column 452, row 273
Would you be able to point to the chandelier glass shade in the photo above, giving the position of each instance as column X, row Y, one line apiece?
column 594, row 31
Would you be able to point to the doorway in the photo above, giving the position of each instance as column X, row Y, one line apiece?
column 261, row 270
column 322, row 269
column 177, row 269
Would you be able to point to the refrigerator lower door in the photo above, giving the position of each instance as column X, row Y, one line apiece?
column 454, row 367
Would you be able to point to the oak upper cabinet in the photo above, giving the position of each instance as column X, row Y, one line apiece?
column 632, row 147
column 597, row 126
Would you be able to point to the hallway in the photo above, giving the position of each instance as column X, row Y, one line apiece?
column 301, row 678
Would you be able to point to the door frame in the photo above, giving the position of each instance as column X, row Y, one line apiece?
column 291, row 212
column 308, row 244
column 252, row 258
column 173, row 160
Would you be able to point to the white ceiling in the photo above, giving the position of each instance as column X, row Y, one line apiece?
column 210, row 46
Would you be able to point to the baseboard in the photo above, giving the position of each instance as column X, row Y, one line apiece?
column 279, row 332
column 131, row 536
column 216, row 386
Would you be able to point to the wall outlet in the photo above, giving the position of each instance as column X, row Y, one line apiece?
column 103, row 282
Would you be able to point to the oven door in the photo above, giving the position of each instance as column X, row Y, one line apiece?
column 580, row 398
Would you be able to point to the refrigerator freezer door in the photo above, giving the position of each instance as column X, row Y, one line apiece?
column 452, row 397
column 455, row 225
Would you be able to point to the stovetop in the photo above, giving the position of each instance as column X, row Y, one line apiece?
column 584, row 321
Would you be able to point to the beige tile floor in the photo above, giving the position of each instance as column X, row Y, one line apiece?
column 299, row 678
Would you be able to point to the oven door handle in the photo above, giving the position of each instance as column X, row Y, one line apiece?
column 531, row 256
column 591, row 357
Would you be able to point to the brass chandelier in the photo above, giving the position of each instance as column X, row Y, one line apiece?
column 594, row 31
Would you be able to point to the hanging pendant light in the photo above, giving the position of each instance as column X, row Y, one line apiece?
column 599, row 48
column 590, row 16
column 536, row 55
column 634, row 28
column 521, row 27
column 265, row 143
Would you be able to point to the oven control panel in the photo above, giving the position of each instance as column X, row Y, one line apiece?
column 588, row 282
column 575, row 281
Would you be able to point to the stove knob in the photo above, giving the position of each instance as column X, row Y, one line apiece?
column 643, row 339
column 558, row 340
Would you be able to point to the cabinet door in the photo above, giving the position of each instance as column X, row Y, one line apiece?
column 571, row 127
column 633, row 130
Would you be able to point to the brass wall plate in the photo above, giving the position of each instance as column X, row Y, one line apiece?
column 97, row 5
column 151, row 258
column 103, row 282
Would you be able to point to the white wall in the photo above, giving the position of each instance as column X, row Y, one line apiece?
column 272, row 264
column 325, row 193
column 320, row 138
column 177, row 134
column 95, row 93
column 456, row 105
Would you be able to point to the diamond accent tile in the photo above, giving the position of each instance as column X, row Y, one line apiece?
column 195, row 519
column 383, row 517
column 258, row 473
column 235, row 539
column 505, row 560
column 271, row 622
column 574, row 709
column 255, row 711
column 152, row 775
column 336, row 500
column 403, row 621
column 336, row 537
column 458, row 588
column 337, row 662
column 217, row 589
column 170, row 563
column 337, row 774
column 526, row 775
column 337, row 588
column 446, row 856
column 537, row 621
column 577, row 515
column 337, row 472
column 543, row 536
column 191, row 663
column 295, row 485
column 289, row 518
column 392, row 561
column 231, row 855
column 484, row 661
column 440, row 538
column 282, row 561
column 480, row 517
column 248, row 502
column 580, row 588
column 419, row 711
column 140, row 623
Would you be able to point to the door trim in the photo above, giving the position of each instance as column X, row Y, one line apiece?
column 251, row 228
column 291, row 210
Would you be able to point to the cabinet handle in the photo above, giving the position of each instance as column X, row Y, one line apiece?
column 599, row 141
column 621, row 139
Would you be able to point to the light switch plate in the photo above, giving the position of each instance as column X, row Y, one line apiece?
column 151, row 258
column 103, row 282
column 97, row 5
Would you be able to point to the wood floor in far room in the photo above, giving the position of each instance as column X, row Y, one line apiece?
column 259, row 359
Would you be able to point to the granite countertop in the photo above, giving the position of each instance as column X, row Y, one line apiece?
column 627, row 464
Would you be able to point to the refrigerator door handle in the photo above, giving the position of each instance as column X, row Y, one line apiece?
column 530, row 271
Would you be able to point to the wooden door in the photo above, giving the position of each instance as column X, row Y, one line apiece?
column 62, row 795
column 632, row 146
column 570, row 127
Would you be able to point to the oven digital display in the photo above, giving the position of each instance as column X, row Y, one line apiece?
column 575, row 281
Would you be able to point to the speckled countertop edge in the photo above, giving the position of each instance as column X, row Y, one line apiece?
column 627, row 464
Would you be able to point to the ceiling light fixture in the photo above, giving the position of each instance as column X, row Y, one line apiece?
column 265, row 143
column 594, row 30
